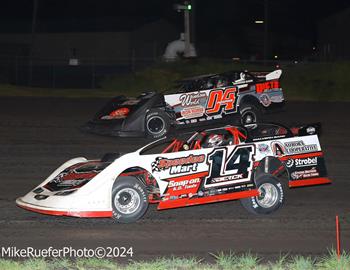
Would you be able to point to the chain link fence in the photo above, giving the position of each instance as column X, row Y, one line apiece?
column 65, row 73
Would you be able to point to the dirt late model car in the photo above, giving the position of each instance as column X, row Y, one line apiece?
column 241, row 95
column 221, row 164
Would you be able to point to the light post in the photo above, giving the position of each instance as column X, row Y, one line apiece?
column 186, row 8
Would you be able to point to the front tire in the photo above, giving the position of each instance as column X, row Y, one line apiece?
column 270, row 199
column 157, row 124
column 129, row 199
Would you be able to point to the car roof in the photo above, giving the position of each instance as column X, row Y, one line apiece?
column 211, row 75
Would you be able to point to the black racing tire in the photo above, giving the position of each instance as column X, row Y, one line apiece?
column 129, row 199
column 157, row 124
column 271, row 196
column 250, row 114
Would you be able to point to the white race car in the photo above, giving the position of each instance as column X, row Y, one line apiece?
column 228, row 163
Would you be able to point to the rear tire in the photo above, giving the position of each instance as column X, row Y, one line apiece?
column 129, row 199
column 157, row 124
column 270, row 199
column 250, row 114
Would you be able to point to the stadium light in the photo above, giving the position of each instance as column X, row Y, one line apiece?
column 186, row 7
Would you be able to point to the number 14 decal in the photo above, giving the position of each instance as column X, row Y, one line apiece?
column 236, row 168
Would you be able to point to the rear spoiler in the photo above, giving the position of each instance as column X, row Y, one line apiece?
column 268, row 76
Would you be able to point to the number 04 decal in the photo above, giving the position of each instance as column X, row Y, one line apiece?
column 222, row 99
column 234, row 169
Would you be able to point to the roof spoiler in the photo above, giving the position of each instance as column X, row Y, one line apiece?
column 274, row 75
column 268, row 76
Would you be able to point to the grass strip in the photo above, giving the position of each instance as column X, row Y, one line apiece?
column 223, row 261
column 301, row 81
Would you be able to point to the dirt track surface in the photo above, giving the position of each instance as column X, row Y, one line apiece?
column 37, row 135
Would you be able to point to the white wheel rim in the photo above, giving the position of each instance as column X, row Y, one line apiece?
column 127, row 201
column 268, row 195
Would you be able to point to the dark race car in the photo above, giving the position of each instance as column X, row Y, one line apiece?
column 237, row 96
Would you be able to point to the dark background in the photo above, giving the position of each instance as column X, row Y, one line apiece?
column 113, row 36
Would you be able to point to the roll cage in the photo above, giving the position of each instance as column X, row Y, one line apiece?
column 210, row 81
column 231, row 135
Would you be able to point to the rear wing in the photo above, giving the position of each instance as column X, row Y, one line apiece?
column 268, row 76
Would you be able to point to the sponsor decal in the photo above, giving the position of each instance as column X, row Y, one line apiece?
column 278, row 149
column 311, row 130
column 184, row 184
column 302, row 162
column 75, row 176
column 178, row 165
column 264, row 148
column 192, row 99
column 269, row 138
column 261, row 87
column 228, row 178
column 291, row 148
column 193, row 112
column 222, row 99
column 305, row 174
column 290, row 163
column 265, row 100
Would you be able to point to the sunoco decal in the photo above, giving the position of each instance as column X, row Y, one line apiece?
column 178, row 165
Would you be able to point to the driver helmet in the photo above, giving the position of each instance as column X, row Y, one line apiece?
column 221, row 83
column 210, row 84
column 215, row 140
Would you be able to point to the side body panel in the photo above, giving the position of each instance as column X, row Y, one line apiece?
column 189, row 177
column 198, row 106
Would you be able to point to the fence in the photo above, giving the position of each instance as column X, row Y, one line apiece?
column 87, row 73
column 64, row 73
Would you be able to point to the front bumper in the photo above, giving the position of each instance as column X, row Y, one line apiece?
column 61, row 212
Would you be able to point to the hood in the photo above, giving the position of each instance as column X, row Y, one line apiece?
column 76, row 176
column 129, row 104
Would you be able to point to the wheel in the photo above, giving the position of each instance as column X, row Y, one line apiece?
column 157, row 124
column 270, row 199
column 250, row 114
column 129, row 199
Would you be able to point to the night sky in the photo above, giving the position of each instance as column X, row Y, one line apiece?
column 294, row 16
column 214, row 20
